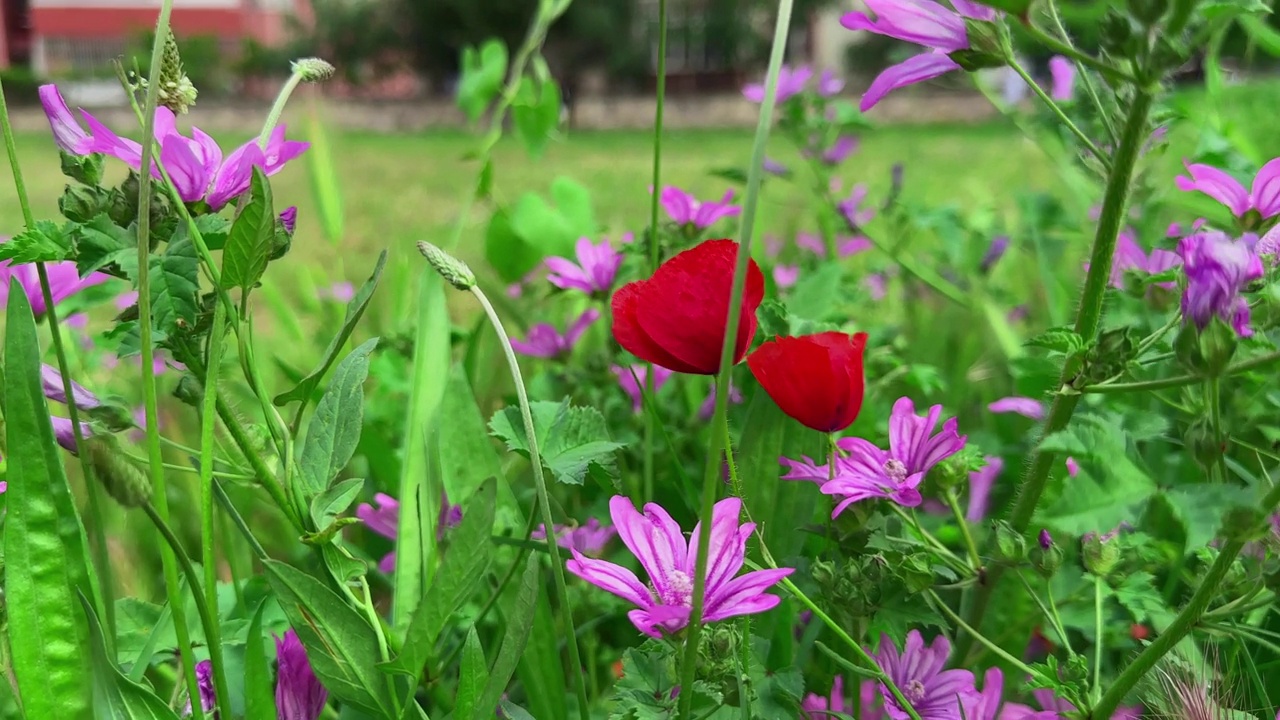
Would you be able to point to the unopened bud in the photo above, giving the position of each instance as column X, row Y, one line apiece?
column 1011, row 545
column 189, row 391
column 312, row 69
column 289, row 219
column 823, row 573
column 123, row 480
column 449, row 267
column 81, row 204
column 86, row 169
column 1100, row 553
column 1046, row 557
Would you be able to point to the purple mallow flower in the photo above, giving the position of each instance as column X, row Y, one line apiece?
column 1055, row 707
column 817, row 707
column 1063, row 72
column 51, row 382
column 843, row 147
column 830, row 84
column 1024, row 406
column 64, row 433
column 785, row 276
column 851, row 207
column 934, row 693
column 996, row 250
column 980, row 484
column 1264, row 196
column 289, row 219
column 985, row 704
column 299, row 694
column 791, row 82
column 922, row 22
column 685, row 209
column 385, row 521
column 633, row 389
column 870, row 472
column 708, row 406
column 204, row 681
column 1045, row 540
column 545, row 341
column 588, row 539
column 1218, row 269
column 64, row 281
column 1129, row 256
column 669, row 559
column 593, row 273
column 67, row 132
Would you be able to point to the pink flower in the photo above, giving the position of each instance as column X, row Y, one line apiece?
column 65, row 435
column 588, row 539
column 922, row 22
column 299, row 694
column 1264, row 196
column 785, row 276
column 593, row 273
column 829, row 84
column 1024, row 406
column 708, row 406
column 385, row 521
column 843, row 147
column 64, row 281
column 877, row 286
column 545, row 341
column 1218, row 269
column 1055, row 707
column 791, row 82
column 980, row 484
column 852, row 210
column 1063, row 72
column 1073, row 467
column 817, row 707
column 72, row 138
column 934, row 693
column 685, row 209
column 663, row 606
column 1129, row 256
column 340, row 291
column 634, row 390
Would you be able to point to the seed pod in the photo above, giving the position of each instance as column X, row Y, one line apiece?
column 123, row 480
column 449, row 267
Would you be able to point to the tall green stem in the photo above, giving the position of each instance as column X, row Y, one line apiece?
column 1098, row 585
column 711, row 478
column 1187, row 619
column 544, row 501
column 104, row 598
column 160, row 498
column 1088, row 318
column 1182, row 380
column 655, row 250
column 208, row 417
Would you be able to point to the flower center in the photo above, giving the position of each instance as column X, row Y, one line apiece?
column 896, row 470
column 914, row 690
column 679, row 589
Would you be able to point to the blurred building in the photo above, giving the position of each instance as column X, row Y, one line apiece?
column 79, row 38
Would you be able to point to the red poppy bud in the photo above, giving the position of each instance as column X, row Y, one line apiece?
column 676, row 319
column 816, row 379
column 1139, row 632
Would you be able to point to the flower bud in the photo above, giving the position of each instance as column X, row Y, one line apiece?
column 823, row 573
column 1099, row 553
column 1245, row 524
column 81, row 204
column 1148, row 12
column 1046, row 557
column 1217, row 346
column 984, row 44
column 1116, row 32
column 112, row 416
column 450, row 268
column 176, row 91
column 123, row 480
column 1010, row 545
column 289, row 219
column 189, row 391
column 86, row 169
column 312, row 69
column 1206, row 446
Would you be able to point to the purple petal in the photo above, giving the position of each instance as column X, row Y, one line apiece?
column 611, row 578
column 1216, row 184
column 188, row 173
column 1266, row 189
column 233, row 178
column 916, row 21
column 744, row 595
column 67, row 133
column 908, row 72
column 1024, row 406
column 1063, row 72
column 51, row 382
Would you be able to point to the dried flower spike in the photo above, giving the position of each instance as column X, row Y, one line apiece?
column 449, row 267
column 313, row 69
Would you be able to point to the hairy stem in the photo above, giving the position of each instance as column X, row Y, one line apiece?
column 1182, row 380
column 1088, row 317
column 544, row 500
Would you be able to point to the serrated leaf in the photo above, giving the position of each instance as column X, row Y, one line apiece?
column 1063, row 340
column 331, row 503
column 175, row 282
column 42, row 242
column 1110, row 488
column 465, row 563
column 340, row 643
column 334, row 430
column 572, row 440
column 1138, row 594
column 1201, row 507
column 248, row 247
column 100, row 242
column 213, row 229
column 355, row 310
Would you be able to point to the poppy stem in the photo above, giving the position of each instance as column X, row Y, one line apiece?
column 655, row 254
column 710, row 481
column 544, row 502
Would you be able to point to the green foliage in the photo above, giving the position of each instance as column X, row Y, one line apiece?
column 45, row 551
column 519, row 238
column 44, row 242
column 519, row 624
column 175, row 280
column 536, row 113
column 572, row 440
column 471, row 676
column 259, row 700
column 115, row 695
column 334, row 430
column 483, row 71
column 1111, row 487
column 248, row 247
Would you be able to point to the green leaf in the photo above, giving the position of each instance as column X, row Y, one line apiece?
column 175, row 281
column 324, row 180
column 778, row 506
column 519, row 621
column 42, row 242
column 340, row 644
column 471, row 677
column 1013, row 7
column 1201, row 507
column 511, row 256
column 355, row 310
column 334, row 430
column 45, row 552
column 1217, row 10
column 644, row 690
column 536, row 113
column 513, row 711
column 1267, row 37
column 248, row 249
column 114, row 695
column 1138, row 594
column 812, row 297
column 331, row 503
column 1110, row 487
column 482, row 75
column 100, row 242
column 541, row 671
column 572, row 439
column 259, row 700
column 213, row 229
column 1062, row 340
column 464, row 565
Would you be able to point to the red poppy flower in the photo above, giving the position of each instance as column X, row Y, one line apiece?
column 676, row 319
column 816, row 379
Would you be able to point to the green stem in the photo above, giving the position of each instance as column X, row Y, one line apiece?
column 239, row 521
column 932, row 542
column 1213, row 404
column 711, row 477
column 159, row 483
column 103, row 597
column 1098, row 584
column 1088, row 317
column 735, row 482
column 207, row 619
column 937, row 603
column 544, row 500
column 1085, row 78
column 1070, row 51
column 655, row 251
column 1187, row 619
column 277, row 108
column 974, row 557
column 1049, row 609
column 208, row 551
column 1182, row 380
column 1056, row 110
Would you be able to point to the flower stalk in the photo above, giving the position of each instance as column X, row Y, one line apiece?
column 711, row 478
column 655, row 254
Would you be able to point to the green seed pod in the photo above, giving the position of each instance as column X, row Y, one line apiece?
column 1099, row 553
column 313, row 69
column 1010, row 544
column 123, row 480
column 449, row 267
column 189, row 391
column 176, row 91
